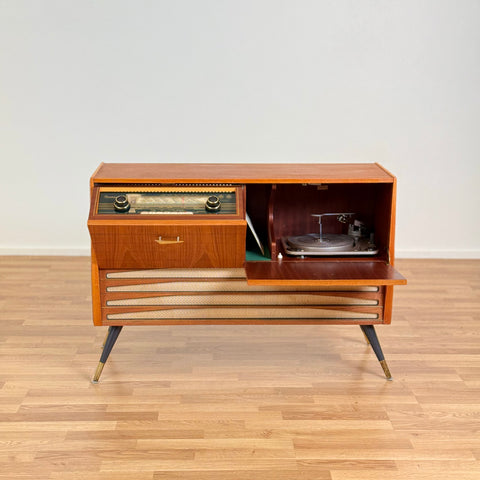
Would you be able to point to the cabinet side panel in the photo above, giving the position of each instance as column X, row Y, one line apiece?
column 392, row 222
column 383, row 227
column 388, row 305
column 96, row 302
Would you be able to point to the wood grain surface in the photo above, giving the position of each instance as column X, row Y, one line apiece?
column 238, row 402
column 324, row 273
column 165, row 246
column 241, row 173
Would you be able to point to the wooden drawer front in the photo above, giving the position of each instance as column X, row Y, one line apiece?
column 169, row 246
column 176, row 296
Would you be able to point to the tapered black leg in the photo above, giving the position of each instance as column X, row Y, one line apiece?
column 113, row 333
column 371, row 334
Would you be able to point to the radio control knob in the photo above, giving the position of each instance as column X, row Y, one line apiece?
column 121, row 203
column 213, row 204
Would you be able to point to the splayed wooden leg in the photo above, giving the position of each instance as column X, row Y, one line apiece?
column 371, row 335
column 105, row 339
column 113, row 333
column 366, row 338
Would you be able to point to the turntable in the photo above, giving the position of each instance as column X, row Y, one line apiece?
column 359, row 240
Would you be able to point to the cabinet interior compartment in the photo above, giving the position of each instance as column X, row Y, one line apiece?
column 283, row 210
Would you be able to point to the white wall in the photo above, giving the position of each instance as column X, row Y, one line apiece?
column 395, row 82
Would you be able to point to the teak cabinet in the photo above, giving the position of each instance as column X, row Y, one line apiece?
column 242, row 244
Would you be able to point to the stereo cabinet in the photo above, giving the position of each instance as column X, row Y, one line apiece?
column 235, row 244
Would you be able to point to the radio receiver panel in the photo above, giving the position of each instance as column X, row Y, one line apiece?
column 168, row 200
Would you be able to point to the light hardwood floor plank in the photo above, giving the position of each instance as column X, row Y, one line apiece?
column 238, row 402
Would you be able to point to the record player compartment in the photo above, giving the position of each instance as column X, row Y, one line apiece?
column 293, row 207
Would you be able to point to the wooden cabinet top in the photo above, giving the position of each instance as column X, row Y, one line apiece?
column 242, row 173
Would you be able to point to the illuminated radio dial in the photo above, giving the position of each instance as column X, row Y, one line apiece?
column 121, row 203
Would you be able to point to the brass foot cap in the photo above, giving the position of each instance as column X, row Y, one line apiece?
column 384, row 365
column 98, row 372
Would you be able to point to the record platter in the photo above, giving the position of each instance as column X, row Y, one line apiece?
column 358, row 241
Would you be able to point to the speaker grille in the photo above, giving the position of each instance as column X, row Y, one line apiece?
column 242, row 299
column 263, row 313
column 227, row 286
column 181, row 273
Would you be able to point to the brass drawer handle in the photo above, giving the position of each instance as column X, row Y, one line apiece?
column 161, row 241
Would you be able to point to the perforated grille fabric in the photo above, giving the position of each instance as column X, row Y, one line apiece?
column 226, row 286
column 244, row 299
column 181, row 273
column 263, row 313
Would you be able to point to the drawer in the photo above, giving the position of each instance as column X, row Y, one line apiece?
column 223, row 296
column 169, row 245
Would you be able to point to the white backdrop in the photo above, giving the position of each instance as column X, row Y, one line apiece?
column 394, row 82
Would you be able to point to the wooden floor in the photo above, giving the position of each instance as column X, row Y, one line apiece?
column 237, row 403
